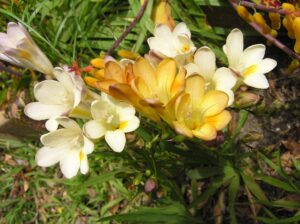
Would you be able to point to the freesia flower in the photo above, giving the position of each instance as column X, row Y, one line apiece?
column 221, row 79
column 198, row 113
column 175, row 44
column 111, row 119
column 249, row 64
column 56, row 98
column 68, row 146
column 17, row 47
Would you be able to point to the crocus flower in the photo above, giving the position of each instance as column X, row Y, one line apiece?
column 249, row 64
column 68, row 146
column 175, row 44
column 111, row 119
column 222, row 79
column 198, row 113
column 17, row 47
column 56, row 98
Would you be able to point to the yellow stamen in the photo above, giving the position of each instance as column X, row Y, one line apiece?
column 249, row 71
column 123, row 124
column 81, row 155
column 25, row 54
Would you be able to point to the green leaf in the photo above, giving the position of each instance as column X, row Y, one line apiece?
column 243, row 115
column 232, row 193
column 254, row 187
column 280, row 221
column 276, row 183
column 204, row 172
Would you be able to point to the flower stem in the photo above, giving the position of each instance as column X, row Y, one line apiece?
column 129, row 28
column 261, row 7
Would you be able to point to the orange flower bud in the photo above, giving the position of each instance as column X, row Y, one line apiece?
column 275, row 20
column 128, row 54
column 287, row 22
column 97, row 62
column 259, row 20
column 295, row 64
column 244, row 13
column 288, row 7
column 162, row 13
column 296, row 28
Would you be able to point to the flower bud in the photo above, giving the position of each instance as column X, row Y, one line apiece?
column 162, row 14
column 150, row 185
column 259, row 20
column 275, row 20
column 246, row 99
column 244, row 13
column 296, row 28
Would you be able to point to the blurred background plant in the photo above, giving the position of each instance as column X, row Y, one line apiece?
column 249, row 174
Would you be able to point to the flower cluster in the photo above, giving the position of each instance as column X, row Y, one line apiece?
column 183, row 88
column 63, row 97
column 174, row 83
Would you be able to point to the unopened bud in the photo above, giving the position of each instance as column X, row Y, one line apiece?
column 275, row 20
column 244, row 13
column 162, row 14
column 246, row 99
column 259, row 20
column 150, row 185
column 296, row 28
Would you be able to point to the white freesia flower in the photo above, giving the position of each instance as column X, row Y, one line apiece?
column 68, row 146
column 111, row 119
column 17, row 47
column 175, row 44
column 221, row 79
column 56, row 98
column 249, row 63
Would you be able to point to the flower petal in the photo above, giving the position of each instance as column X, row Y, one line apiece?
column 94, row 129
column 51, row 124
column 266, row 65
column 182, row 29
column 68, row 123
column 59, row 137
column 257, row 80
column 131, row 124
column 116, row 140
column 213, row 103
column 182, row 129
column 38, row 111
column 234, row 46
column 84, row 165
column 224, row 78
column 194, row 85
column 206, row 132
column 205, row 59
column 219, row 121
column 252, row 55
column 191, row 69
column 88, row 145
column 70, row 164
column 50, row 92
column 47, row 156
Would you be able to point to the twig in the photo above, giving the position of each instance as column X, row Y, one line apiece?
column 9, row 70
column 262, row 7
column 269, row 37
column 129, row 28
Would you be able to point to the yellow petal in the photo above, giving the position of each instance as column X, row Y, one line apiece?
column 179, row 82
column 141, row 88
column 129, row 75
column 166, row 72
column 194, row 85
column 206, row 132
column 97, row 62
column 90, row 81
column 99, row 74
column 104, row 85
column 181, row 106
column 143, row 69
column 113, row 71
column 128, row 54
column 219, row 121
column 180, row 128
column 213, row 102
column 162, row 14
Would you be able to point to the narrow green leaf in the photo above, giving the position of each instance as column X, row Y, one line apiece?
column 232, row 193
column 254, row 187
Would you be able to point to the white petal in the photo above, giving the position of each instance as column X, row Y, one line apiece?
column 38, row 111
column 16, row 33
column 84, row 165
column 125, row 111
column 50, row 92
column 205, row 59
column 5, row 42
column 70, row 164
column 79, row 89
column 230, row 94
column 253, row 54
column 64, row 78
column 59, row 137
column 88, row 146
column 182, row 29
column 191, row 69
column 100, row 108
column 51, row 124
column 11, row 60
column 132, row 124
column 266, row 65
column 224, row 78
column 162, row 47
column 163, row 31
column 68, row 123
column 234, row 46
column 94, row 129
column 47, row 156
column 116, row 140
column 257, row 80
